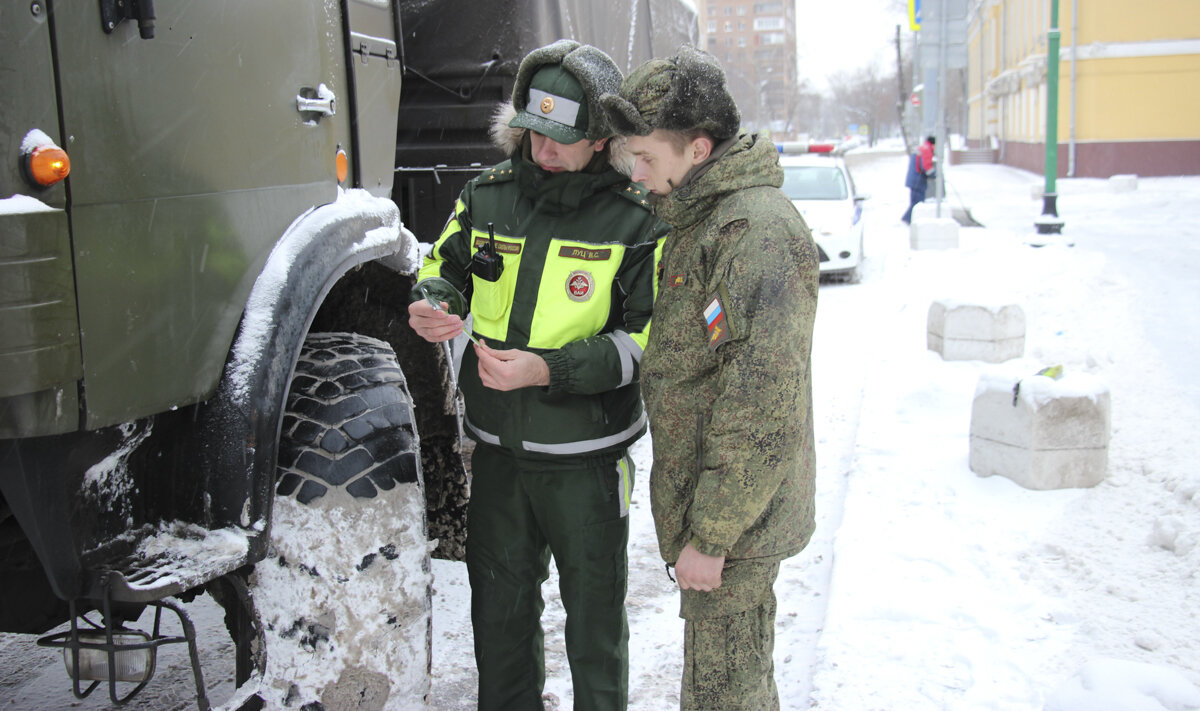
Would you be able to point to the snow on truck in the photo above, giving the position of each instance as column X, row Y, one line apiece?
column 209, row 221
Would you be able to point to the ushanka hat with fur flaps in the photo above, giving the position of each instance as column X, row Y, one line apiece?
column 558, row 88
column 685, row 92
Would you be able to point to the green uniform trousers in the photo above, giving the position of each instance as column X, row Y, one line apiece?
column 517, row 517
column 729, row 641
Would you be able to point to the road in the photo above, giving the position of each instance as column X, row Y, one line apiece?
column 34, row 678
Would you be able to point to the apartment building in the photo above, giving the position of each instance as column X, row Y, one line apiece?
column 755, row 41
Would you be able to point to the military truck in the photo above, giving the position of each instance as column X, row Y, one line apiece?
column 210, row 219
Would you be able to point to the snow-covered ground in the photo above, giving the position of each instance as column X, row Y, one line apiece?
column 927, row 586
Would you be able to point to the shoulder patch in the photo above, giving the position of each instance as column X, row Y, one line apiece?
column 718, row 320
column 499, row 173
column 635, row 193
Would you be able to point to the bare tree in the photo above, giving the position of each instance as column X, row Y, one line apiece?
column 804, row 110
column 864, row 96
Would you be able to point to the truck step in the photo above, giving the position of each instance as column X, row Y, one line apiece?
column 172, row 558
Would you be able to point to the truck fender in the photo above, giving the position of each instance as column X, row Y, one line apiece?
column 238, row 453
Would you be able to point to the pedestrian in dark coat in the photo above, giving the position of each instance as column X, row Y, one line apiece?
column 920, row 170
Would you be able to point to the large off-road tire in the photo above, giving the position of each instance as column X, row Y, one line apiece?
column 349, row 420
column 344, row 594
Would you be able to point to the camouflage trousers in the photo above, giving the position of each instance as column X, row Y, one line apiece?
column 729, row 642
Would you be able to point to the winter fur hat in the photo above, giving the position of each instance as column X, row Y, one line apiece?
column 682, row 93
column 558, row 88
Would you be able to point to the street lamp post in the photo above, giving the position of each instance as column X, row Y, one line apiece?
column 1050, row 222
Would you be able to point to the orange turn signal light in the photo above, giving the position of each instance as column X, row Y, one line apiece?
column 48, row 165
column 342, row 163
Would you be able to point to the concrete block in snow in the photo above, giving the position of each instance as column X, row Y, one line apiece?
column 1123, row 183
column 933, row 233
column 959, row 331
column 1040, row 432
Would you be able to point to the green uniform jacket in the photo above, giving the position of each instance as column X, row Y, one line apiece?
column 579, row 252
column 726, row 373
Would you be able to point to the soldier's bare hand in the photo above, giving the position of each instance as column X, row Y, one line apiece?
column 697, row 571
column 433, row 325
column 511, row 369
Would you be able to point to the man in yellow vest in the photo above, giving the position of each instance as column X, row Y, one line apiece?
column 552, row 253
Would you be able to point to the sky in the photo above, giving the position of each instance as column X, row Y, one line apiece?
column 847, row 35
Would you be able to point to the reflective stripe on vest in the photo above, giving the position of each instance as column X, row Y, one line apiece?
column 629, row 351
column 580, row 447
column 624, row 476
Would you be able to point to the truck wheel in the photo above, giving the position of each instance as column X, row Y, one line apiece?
column 349, row 421
column 344, row 594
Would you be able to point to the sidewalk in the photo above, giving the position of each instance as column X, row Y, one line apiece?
column 951, row 591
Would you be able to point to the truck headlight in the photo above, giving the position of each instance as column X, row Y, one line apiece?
column 135, row 663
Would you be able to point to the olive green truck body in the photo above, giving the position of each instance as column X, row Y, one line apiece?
column 154, row 303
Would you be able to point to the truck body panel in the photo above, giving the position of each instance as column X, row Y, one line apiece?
column 39, row 354
column 175, row 200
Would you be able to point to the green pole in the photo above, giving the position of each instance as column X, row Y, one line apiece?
column 1049, row 222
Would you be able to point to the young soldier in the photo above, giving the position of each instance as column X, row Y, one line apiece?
column 726, row 372
column 562, row 305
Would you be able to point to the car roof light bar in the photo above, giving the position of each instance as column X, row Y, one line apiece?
column 799, row 147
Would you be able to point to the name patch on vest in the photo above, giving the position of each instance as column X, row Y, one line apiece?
column 501, row 246
column 588, row 255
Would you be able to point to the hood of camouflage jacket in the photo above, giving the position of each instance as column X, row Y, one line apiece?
column 751, row 161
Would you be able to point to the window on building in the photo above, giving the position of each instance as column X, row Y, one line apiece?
column 741, row 10
column 772, row 38
column 712, row 26
column 741, row 41
column 741, row 25
column 768, row 23
column 765, row 7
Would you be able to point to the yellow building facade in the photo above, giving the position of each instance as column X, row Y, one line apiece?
column 1128, row 91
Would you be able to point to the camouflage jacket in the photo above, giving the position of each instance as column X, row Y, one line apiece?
column 726, row 373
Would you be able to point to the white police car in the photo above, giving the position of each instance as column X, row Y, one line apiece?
column 816, row 180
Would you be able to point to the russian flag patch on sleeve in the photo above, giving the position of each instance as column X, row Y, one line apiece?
column 718, row 326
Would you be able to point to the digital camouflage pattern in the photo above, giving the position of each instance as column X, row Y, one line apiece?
column 729, row 660
column 726, row 373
